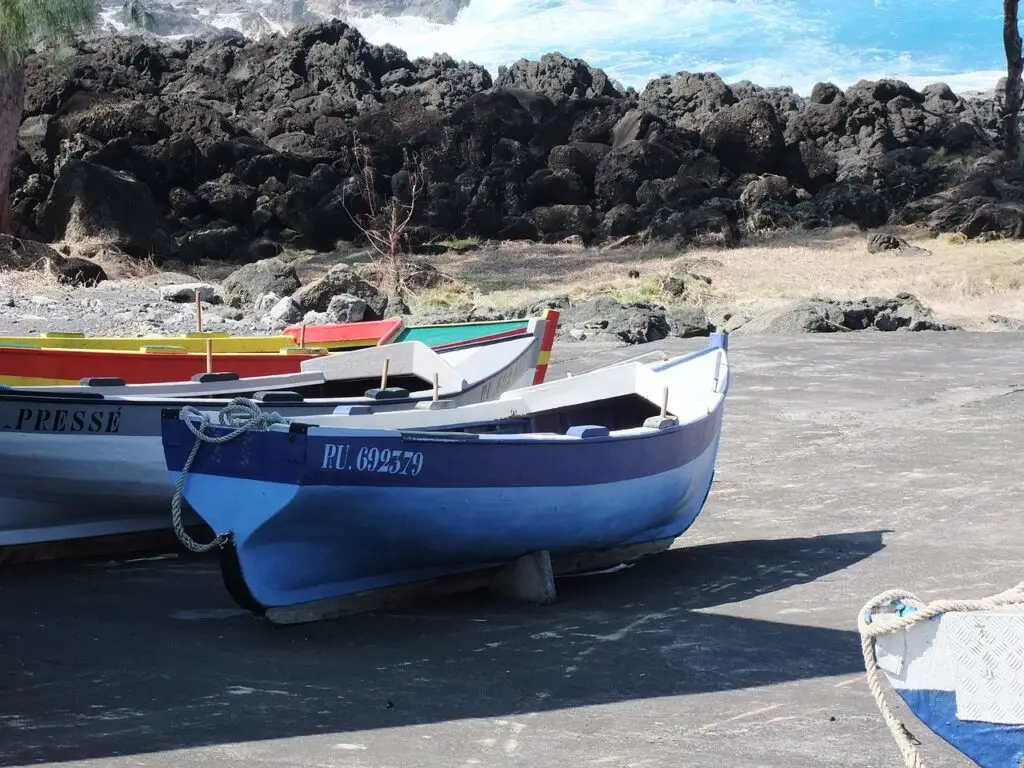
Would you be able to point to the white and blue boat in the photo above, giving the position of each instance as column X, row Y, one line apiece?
column 959, row 668
column 317, row 508
column 86, row 461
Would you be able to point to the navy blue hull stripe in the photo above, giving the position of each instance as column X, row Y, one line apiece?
column 299, row 459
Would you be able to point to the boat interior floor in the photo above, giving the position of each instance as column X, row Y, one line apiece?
column 615, row 413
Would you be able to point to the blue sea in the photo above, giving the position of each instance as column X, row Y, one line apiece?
column 771, row 42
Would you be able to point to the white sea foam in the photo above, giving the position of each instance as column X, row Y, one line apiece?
column 770, row 42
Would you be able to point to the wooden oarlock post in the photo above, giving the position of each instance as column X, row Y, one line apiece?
column 209, row 355
column 384, row 373
column 302, row 336
column 199, row 312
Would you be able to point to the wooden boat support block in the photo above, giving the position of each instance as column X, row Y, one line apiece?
column 390, row 598
column 403, row 596
column 529, row 579
column 140, row 543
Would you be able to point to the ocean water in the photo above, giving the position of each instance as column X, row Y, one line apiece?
column 771, row 42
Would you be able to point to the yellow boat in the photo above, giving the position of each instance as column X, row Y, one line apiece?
column 331, row 337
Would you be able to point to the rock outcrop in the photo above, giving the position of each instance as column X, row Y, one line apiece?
column 200, row 148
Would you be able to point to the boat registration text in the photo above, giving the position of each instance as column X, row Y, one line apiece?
column 371, row 459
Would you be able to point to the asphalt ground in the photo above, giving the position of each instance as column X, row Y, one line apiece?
column 849, row 464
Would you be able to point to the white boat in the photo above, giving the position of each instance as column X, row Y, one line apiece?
column 958, row 665
column 86, row 461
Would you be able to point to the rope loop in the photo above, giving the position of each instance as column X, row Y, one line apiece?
column 242, row 415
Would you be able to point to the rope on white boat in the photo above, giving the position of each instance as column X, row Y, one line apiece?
column 243, row 415
column 872, row 626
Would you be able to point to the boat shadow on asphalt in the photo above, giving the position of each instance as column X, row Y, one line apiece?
column 107, row 658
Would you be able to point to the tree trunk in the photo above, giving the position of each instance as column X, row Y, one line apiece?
column 1014, row 67
column 12, row 101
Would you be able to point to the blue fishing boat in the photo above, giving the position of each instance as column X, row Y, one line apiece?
column 959, row 667
column 315, row 508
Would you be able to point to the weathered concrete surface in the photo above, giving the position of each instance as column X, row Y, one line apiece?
column 849, row 464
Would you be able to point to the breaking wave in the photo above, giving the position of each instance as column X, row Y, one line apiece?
column 771, row 42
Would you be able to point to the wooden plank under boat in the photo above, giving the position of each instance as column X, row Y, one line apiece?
column 27, row 363
column 312, row 510
column 84, row 461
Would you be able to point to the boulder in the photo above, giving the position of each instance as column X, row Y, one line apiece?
column 687, row 321
column 77, row 271
column 884, row 242
column 622, row 170
column 181, row 293
column 605, row 317
column 746, row 137
column 249, row 282
column 344, row 308
column 340, row 280
column 557, row 77
column 286, row 310
column 90, row 203
column 903, row 312
column 687, row 99
column 580, row 158
column 17, row 254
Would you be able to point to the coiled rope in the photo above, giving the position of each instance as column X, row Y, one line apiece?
column 872, row 626
column 243, row 415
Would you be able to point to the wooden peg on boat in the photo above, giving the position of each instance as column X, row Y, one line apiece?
column 209, row 355
column 384, row 373
column 199, row 312
column 437, row 387
column 664, row 403
column 302, row 335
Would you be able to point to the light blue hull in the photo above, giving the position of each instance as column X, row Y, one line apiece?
column 297, row 544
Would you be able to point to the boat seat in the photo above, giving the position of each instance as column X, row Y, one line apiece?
column 207, row 378
column 277, row 396
column 352, row 410
column 586, row 431
column 387, row 393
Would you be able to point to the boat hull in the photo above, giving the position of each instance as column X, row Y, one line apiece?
column 42, row 361
column 335, row 336
column 28, row 367
column 962, row 675
column 82, row 466
column 307, row 524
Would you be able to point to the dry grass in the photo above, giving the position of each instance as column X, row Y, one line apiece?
column 962, row 282
column 32, row 282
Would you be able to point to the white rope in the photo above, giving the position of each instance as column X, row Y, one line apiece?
column 243, row 415
column 872, row 626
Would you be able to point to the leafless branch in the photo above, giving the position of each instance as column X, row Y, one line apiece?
column 386, row 222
